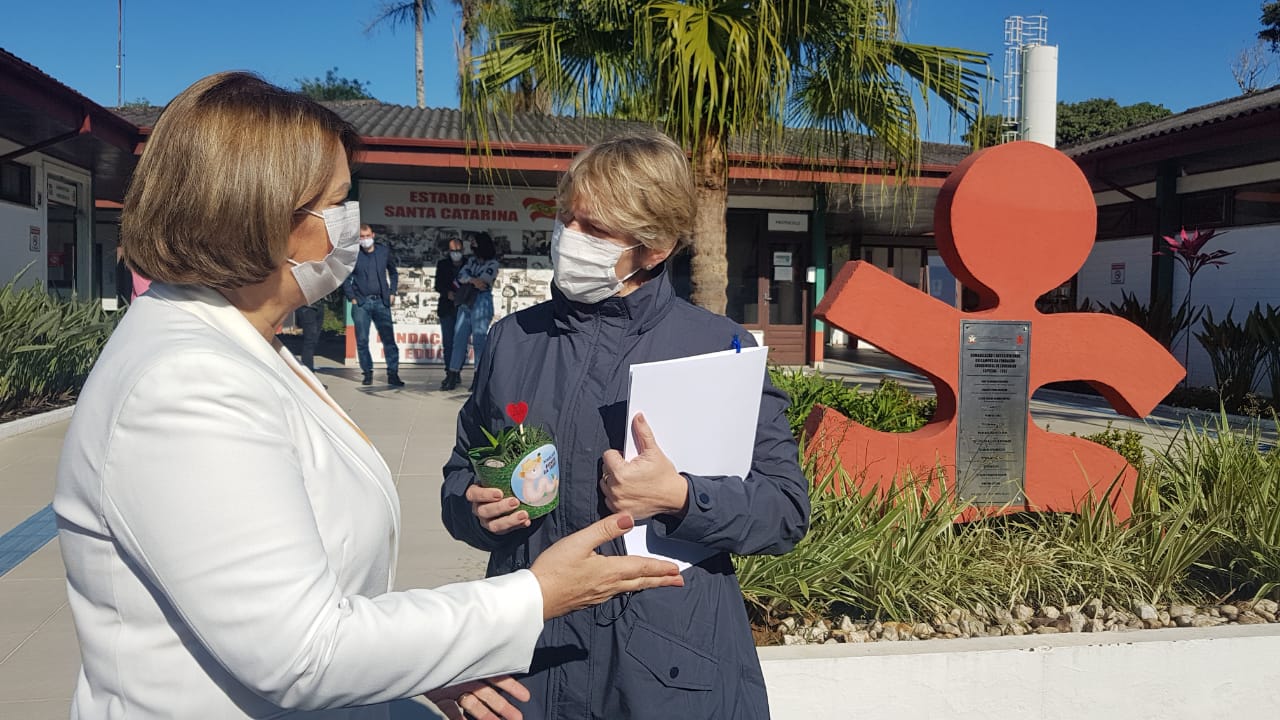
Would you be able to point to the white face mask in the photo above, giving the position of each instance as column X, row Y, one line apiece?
column 455, row 256
column 366, row 242
column 584, row 265
column 318, row 278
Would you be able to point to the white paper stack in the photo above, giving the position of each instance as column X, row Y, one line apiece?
column 703, row 411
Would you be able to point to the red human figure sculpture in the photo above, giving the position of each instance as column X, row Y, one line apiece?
column 1012, row 222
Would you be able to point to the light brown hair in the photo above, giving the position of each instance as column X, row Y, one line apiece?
column 637, row 185
column 215, row 194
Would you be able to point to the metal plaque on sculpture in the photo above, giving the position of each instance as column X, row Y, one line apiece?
column 991, row 438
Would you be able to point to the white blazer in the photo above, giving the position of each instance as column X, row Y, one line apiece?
column 230, row 539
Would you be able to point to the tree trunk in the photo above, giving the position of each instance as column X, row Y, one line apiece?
column 709, row 263
column 468, row 8
column 418, row 12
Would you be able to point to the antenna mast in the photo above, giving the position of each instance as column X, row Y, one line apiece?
column 119, row 53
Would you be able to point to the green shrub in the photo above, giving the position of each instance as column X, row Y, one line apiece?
column 1159, row 320
column 1128, row 443
column 335, row 313
column 1229, row 482
column 1235, row 352
column 47, row 345
column 890, row 407
column 1205, row 528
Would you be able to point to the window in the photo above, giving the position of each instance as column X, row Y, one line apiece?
column 15, row 183
column 1126, row 220
column 1257, row 204
column 1204, row 209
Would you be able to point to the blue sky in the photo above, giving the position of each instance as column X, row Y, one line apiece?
column 1173, row 52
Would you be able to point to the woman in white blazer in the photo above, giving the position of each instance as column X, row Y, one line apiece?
column 229, row 533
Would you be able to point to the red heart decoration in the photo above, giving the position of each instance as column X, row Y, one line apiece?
column 518, row 411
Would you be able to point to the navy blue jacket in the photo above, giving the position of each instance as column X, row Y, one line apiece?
column 669, row 652
column 377, row 267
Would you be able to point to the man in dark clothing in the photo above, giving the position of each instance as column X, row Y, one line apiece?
column 371, row 288
column 446, row 271
column 309, row 319
column 124, row 280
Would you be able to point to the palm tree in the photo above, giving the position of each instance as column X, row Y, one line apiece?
column 397, row 13
column 715, row 71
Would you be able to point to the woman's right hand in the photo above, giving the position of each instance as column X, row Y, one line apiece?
column 574, row 576
column 496, row 513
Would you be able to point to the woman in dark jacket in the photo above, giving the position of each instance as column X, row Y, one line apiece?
column 475, row 312
column 625, row 207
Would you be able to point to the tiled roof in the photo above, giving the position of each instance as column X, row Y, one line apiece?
column 1223, row 110
column 374, row 119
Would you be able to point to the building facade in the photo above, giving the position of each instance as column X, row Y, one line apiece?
column 1213, row 167
column 59, row 151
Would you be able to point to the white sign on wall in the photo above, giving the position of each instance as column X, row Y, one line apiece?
column 62, row 192
column 788, row 222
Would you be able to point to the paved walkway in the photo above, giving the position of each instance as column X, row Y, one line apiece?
column 413, row 427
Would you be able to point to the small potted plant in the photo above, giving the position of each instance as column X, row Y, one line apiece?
column 521, row 462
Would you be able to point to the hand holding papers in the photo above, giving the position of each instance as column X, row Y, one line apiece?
column 703, row 411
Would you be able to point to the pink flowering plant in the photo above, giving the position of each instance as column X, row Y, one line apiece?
column 1188, row 251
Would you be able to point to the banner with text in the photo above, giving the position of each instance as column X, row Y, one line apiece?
column 417, row 221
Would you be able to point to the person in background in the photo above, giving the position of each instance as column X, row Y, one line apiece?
column 309, row 319
column 475, row 307
column 124, row 280
column 624, row 207
column 229, row 534
column 371, row 288
column 446, row 273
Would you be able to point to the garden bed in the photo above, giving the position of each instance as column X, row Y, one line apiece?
column 1202, row 548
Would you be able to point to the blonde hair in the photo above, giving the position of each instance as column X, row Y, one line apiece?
column 216, row 191
column 637, row 185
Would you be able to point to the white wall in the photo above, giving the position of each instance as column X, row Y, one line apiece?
column 1251, row 275
column 1191, row 674
column 1095, row 278
column 16, row 222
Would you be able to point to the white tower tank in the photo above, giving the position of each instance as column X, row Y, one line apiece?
column 1039, row 121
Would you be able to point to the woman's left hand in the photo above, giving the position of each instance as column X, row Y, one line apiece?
column 648, row 484
column 481, row 699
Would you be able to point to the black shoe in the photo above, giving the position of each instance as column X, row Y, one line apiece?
column 451, row 380
column 394, row 380
column 367, row 379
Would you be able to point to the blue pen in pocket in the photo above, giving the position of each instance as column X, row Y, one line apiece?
column 737, row 344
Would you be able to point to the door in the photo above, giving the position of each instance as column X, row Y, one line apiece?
column 62, row 249
column 785, row 292
column 767, row 289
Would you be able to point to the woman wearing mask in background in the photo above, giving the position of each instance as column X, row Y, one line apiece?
column 624, row 207
column 229, row 533
column 475, row 307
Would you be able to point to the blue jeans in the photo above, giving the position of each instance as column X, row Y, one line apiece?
column 373, row 309
column 473, row 321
